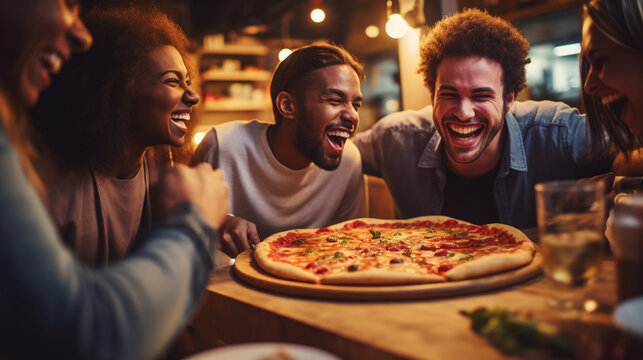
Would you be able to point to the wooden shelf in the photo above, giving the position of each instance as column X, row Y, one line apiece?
column 236, row 106
column 237, row 50
column 226, row 92
column 540, row 8
column 222, row 75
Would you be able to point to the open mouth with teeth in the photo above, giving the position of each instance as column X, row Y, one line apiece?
column 615, row 102
column 337, row 138
column 179, row 119
column 464, row 134
column 51, row 60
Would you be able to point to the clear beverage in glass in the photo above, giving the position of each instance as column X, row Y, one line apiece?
column 571, row 222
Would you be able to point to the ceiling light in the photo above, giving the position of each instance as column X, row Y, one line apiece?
column 396, row 26
column 317, row 15
column 569, row 49
column 372, row 31
column 283, row 54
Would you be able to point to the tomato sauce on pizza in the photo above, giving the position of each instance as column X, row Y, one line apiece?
column 374, row 251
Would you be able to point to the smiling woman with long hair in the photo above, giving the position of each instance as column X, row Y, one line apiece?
column 131, row 91
column 612, row 73
column 52, row 306
column 612, row 76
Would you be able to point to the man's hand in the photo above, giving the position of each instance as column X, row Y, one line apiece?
column 236, row 235
column 201, row 186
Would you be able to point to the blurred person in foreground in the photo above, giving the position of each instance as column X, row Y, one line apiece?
column 131, row 91
column 475, row 154
column 302, row 171
column 52, row 306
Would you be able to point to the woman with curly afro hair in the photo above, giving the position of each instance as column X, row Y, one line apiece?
column 131, row 91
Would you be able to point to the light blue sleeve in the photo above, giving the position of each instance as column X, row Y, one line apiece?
column 370, row 146
column 397, row 135
column 577, row 142
column 51, row 306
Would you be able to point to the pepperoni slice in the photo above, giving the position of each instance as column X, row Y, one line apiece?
column 445, row 267
column 441, row 252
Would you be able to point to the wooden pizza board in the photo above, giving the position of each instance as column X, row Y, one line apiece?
column 247, row 269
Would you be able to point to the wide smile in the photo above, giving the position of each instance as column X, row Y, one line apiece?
column 464, row 135
column 51, row 60
column 616, row 102
column 608, row 99
column 336, row 138
column 179, row 119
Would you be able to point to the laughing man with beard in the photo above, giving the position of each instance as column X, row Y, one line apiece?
column 302, row 171
column 476, row 153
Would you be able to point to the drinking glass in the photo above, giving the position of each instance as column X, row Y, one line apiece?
column 625, row 234
column 571, row 222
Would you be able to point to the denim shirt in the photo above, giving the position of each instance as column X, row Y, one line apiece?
column 546, row 141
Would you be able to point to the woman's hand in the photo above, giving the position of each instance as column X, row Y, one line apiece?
column 200, row 185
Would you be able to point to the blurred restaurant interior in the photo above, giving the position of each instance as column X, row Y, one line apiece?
column 237, row 44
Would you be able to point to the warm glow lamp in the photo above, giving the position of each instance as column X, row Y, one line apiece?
column 372, row 31
column 318, row 15
column 396, row 26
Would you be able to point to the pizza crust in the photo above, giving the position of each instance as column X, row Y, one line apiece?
column 489, row 264
column 279, row 268
column 381, row 277
column 495, row 263
column 434, row 218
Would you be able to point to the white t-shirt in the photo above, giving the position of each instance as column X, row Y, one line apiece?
column 273, row 196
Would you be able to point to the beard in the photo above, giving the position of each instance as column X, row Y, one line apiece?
column 454, row 153
column 310, row 143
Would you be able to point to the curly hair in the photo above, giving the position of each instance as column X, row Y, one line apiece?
column 621, row 22
column 90, row 109
column 473, row 32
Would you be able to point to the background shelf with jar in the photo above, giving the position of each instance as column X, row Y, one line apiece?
column 235, row 82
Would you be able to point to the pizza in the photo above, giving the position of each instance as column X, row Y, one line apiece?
column 374, row 251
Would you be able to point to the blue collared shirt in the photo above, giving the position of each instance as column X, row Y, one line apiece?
column 546, row 141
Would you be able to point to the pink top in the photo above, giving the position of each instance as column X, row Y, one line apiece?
column 98, row 216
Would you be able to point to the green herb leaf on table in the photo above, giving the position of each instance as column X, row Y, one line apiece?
column 512, row 332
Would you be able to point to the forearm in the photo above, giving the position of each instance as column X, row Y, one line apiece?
column 368, row 149
column 135, row 308
column 50, row 305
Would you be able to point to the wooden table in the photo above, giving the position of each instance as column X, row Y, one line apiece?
column 234, row 312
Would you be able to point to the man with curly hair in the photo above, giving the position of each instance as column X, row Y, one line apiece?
column 476, row 153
